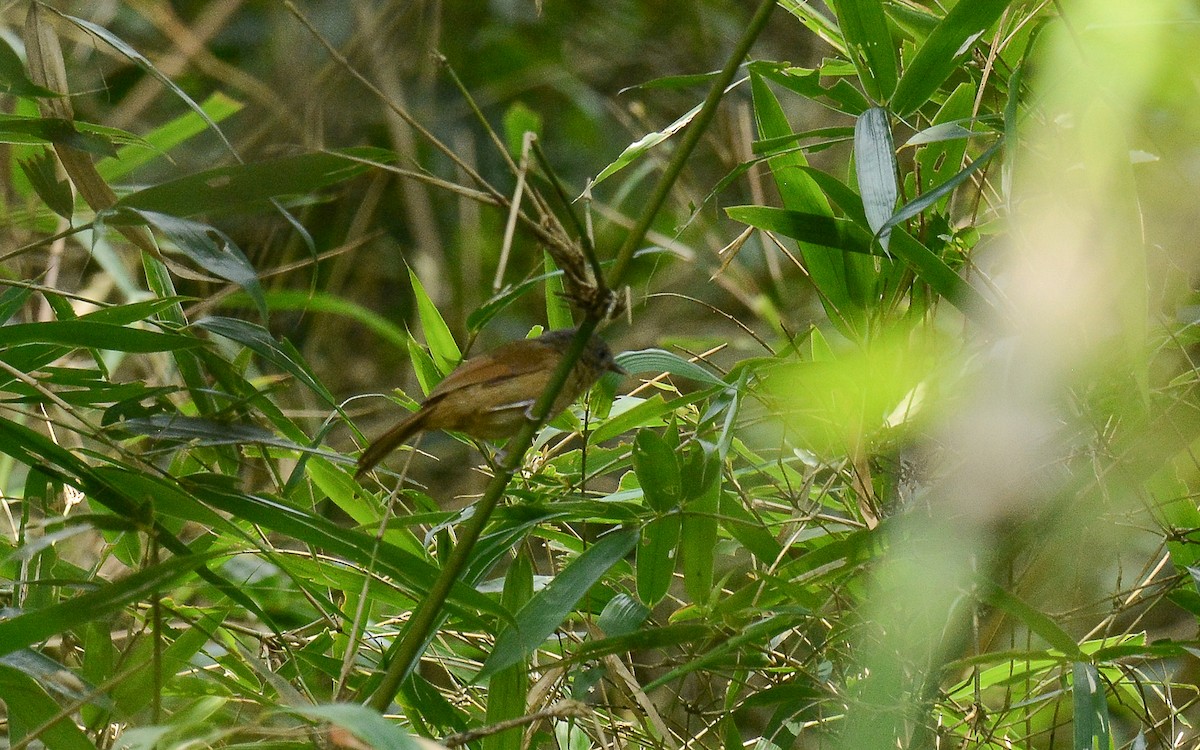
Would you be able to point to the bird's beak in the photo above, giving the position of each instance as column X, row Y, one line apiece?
column 614, row 367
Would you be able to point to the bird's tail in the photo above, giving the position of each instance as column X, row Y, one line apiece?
column 388, row 442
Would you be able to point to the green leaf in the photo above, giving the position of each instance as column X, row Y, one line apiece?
column 647, row 413
column 28, row 707
column 141, row 61
column 842, row 235
column 364, row 723
column 94, row 139
column 1034, row 620
column 340, row 487
column 865, row 29
column 622, row 615
column 1091, row 708
column 519, row 120
column 749, row 530
column 752, row 636
column 657, row 471
column 249, row 187
column 558, row 311
column 943, row 52
column 550, row 606
column 207, row 247
column 875, row 166
column 29, row 628
column 14, row 80
column 656, row 554
column 659, row 361
column 441, row 342
column 508, row 689
column 258, row 340
column 42, row 172
column 931, row 197
column 324, row 302
column 641, row 146
column 163, row 138
column 807, row 82
column 816, row 22
column 97, row 336
column 699, row 536
column 938, row 160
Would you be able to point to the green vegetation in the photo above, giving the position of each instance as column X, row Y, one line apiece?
column 907, row 456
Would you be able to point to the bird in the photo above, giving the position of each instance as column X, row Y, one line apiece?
column 492, row 395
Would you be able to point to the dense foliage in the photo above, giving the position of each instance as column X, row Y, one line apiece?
column 907, row 455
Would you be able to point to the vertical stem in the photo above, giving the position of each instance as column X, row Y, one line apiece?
column 400, row 660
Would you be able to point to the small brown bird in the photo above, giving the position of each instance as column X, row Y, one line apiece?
column 490, row 396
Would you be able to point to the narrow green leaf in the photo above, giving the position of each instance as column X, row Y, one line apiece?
column 753, row 636
column 639, row 147
column 622, row 615
column 659, row 360
column 550, row 606
column 699, row 535
column 27, row 707
column 644, row 639
column 931, row 197
column 875, row 166
column 163, row 138
column 441, row 342
column 842, row 235
column 519, row 120
column 1034, row 620
column 249, row 187
column 844, row 283
column 207, row 247
column 260, row 341
column 92, row 335
column 649, row 413
column 31, row 627
column 932, row 270
column 13, row 78
column 807, row 82
column 364, row 723
column 749, row 530
column 938, row 160
column 943, row 52
column 869, row 42
column 508, row 689
column 42, row 172
column 558, row 311
column 1091, row 708
column 816, row 22
column 323, row 302
column 141, row 61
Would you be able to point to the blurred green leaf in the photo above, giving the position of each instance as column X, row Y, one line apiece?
column 248, row 187
column 28, row 708
column 29, row 628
